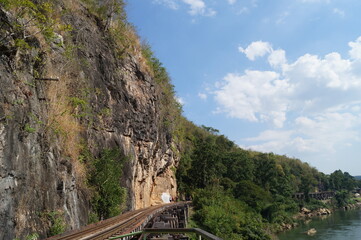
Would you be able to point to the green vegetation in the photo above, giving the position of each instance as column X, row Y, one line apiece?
column 80, row 106
column 29, row 129
column 112, row 17
column 35, row 15
column 103, row 178
column 32, row 236
column 107, row 10
column 57, row 223
column 339, row 181
column 171, row 109
column 220, row 213
column 241, row 194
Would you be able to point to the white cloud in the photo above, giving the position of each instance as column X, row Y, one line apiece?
column 272, row 135
column 330, row 72
column 271, row 140
column 256, row 49
column 231, row 1
column 168, row 3
column 180, row 100
column 355, row 51
column 323, row 132
column 254, row 96
column 339, row 12
column 202, row 96
column 277, row 58
column 254, row 3
column 243, row 10
column 198, row 7
column 281, row 19
column 314, row 101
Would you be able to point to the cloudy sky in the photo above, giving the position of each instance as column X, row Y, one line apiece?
column 280, row 76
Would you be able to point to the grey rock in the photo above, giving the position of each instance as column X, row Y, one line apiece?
column 39, row 169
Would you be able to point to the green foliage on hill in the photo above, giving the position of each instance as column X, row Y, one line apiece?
column 28, row 14
column 170, row 109
column 342, row 181
column 107, row 10
column 230, row 184
column 219, row 212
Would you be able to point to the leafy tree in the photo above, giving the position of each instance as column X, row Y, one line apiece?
column 223, row 215
column 240, row 166
column 29, row 14
column 339, row 181
column 252, row 194
column 208, row 168
column 265, row 170
column 104, row 177
column 341, row 198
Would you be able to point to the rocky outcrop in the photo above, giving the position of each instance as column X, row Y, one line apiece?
column 59, row 97
column 306, row 213
column 311, row 231
column 352, row 206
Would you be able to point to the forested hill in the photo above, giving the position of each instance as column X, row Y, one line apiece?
column 240, row 194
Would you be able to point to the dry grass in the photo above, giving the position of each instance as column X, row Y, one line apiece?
column 61, row 122
column 71, row 4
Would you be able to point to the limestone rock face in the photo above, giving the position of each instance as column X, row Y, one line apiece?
column 56, row 99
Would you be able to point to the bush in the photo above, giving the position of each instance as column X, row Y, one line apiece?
column 314, row 204
column 37, row 14
column 57, row 224
column 227, row 217
column 104, row 178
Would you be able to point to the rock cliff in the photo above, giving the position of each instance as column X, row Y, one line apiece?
column 77, row 89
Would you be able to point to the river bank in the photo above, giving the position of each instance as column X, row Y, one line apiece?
column 336, row 226
column 305, row 216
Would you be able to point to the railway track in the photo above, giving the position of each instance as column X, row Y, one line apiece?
column 122, row 224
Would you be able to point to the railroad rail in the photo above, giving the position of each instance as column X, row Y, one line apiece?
column 123, row 224
column 201, row 234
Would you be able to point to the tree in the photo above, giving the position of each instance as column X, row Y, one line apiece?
column 341, row 198
column 240, row 166
column 253, row 195
column 265, row 170
column 104, row 177
column 108, row 10
column 207, row 168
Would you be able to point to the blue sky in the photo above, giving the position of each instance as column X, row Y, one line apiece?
column 280, row 76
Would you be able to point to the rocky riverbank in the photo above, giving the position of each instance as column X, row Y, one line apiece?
column 352, row 206
column 304, row 216
column 306, row 213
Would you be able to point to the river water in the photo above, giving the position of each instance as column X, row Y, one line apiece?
column 341, row 225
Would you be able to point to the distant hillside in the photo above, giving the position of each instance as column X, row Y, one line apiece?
column 357, row 177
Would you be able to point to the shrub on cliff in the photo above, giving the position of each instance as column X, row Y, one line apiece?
column 171, row 109
column 104, row 178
